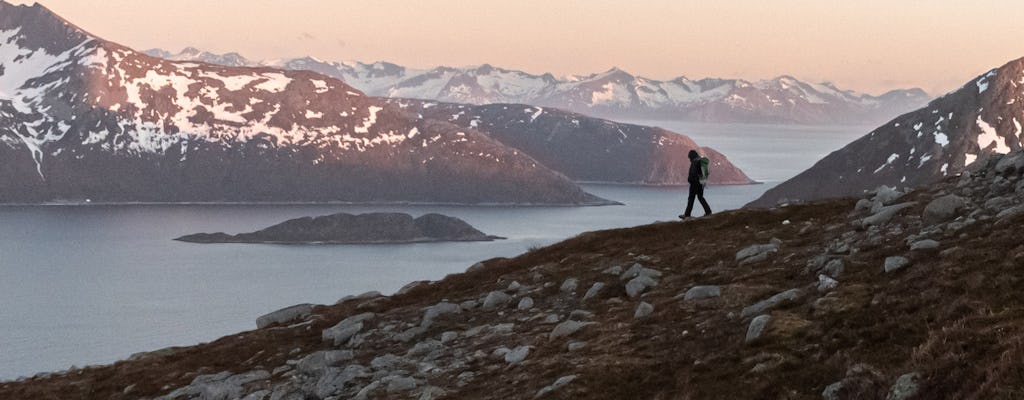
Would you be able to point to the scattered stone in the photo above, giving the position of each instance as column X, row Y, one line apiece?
column 316, row 363
column 834, row 268
column 639, row 284
column 1010, row 164
column 345, row 329
column 410, row 286
column 895, row 263
column 567, row 328
column 771, row 302
column 502, row 329
column 448, row 336
column 613, row 270
column 525, row 303
column 862, row 204
column 432, row 393
column 569, row 285
column 287, row 314
column 825, row 283
column 905, row 387
column 559, row 383
column 702, row 292
column 885, row 214
column 644, row 310
column 942, row 209
column 469, row 305
column 495, row 299
column 576, row 346
column 756, row 328
column 926, row 244
column 365, row 296
column 424, row 348
column 514, row 286
column 638, row 270
column 1010, row 213
column 517, row 355
column 400, row 384
column 756, row 253
column 437, row 310
column 831, row 392
column 594, row 291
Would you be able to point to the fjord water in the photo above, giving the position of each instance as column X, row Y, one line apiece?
column 93, row 284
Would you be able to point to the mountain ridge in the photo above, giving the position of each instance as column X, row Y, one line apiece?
column 614, row 93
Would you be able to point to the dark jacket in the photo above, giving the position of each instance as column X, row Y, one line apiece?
column 695, row 172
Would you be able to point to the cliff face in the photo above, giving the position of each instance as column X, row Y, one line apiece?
column 890, row 298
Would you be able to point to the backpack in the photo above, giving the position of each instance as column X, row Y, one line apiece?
column 704, row 170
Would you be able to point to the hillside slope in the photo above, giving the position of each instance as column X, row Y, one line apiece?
column 978, row 120
column 902, row 297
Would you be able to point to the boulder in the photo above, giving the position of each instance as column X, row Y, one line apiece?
column 398, row 384
column 525, row 303
column 886, row 195
column 926, row 244
column 567, row 328
column 1010, row 164
column 410, row 286
column 637, row 285
column 517, row 355
column 287, row 314
column 495, row 299
column 834, row 268
column 826, row 284
column 885, row 214
column 905, row 387
column 756, row 328
column 895, row 263
column 437, row 310
column 643, row 310
column 569, row 285
column 559, row 383
column 771, row 302
column 756, row 253
column 316, row 363
column 639, row 270
column 942, row 209
column 345, row 329
column 702, row 292
column 594, row 291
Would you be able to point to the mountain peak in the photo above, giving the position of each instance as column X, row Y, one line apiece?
column 41, row 28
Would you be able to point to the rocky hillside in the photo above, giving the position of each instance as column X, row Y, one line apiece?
column 85, row 118
column 981, row 119
column 895, row 296
column 611, row 94
column 584, row 148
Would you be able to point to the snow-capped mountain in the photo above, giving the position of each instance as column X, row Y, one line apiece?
column 949, row 135
column 615, row 93
column 583, row 148
column 84, row 118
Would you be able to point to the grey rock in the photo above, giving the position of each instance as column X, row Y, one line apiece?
column 771, row 302
column 551, row 319
column 448, row 336
column 756, row 253
column 502, row 329
column 364, row 393
column 639, row 284
column 638, row 270
column 1012, row 163
column 832, row 391
column 643, row 310
column 594, row 291
column 569, row 285
column 410, row 286
column 287, row 314
column 834, row 268
column 567, row 328
column 365, row 296
column 998, row 203
column 400, row 384
column 514, row 286
column 220, row 386
column 559, row 383
column 895, row 263
column 423, row 348
column 905, row 387
column 702, row 292
column 613, row 270
column 334, row 380
column 432, row 393
column 576, row 346
column 886, row 195
column 826, row 283
column 476, row 267
column 257, row 395
column 926, row 244
column 862, row 204
column 345, row 329
column 469, row 305
column 431, row 313
column 517, row 355
column 525, row 303
column 410, row 334
column 495, row 300
column 885, row 214
column 1010, row 213
column 942, row 209
column 316, row 363
column 756, row 328
column 389, row 362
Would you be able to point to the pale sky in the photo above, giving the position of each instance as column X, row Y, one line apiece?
column 866, row 45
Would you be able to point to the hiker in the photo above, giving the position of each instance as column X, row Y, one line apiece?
column 697, row 178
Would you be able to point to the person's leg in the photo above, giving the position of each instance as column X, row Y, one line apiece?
column 689, row 200
column 700, row 196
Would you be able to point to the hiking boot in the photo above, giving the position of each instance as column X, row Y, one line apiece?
column 684, row 217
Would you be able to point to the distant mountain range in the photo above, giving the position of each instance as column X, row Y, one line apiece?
column 611, row 94
column 945, row 138
column 85, row 118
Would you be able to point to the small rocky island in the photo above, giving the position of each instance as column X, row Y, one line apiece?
column 344, row 228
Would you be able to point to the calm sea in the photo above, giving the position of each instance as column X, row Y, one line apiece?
column 82, row 285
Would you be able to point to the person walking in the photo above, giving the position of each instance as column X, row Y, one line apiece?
column 697, row 178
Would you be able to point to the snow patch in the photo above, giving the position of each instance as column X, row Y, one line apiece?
column 989, row 136
column 275, row 82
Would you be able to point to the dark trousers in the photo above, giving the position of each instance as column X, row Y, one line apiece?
column 696, row 190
